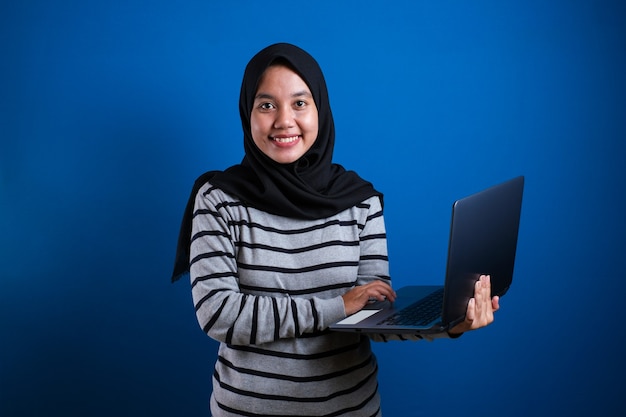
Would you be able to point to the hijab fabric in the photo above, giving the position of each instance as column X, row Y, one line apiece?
column 313, row 187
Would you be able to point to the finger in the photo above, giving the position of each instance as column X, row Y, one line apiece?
column 479, row 296
column 495, row 303
column 486, row 288
column 470, row 314
column 384, row 290
column 379, row 290
column 484, row 310
column 387, row 294
column 489, row 306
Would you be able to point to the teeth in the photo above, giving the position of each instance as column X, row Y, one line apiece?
column 286, row 140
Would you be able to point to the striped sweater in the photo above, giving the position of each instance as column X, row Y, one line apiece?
column 267, row 287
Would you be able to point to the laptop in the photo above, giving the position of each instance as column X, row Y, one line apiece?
column 483, row 240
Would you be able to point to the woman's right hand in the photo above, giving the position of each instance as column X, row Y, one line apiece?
column 358, row 297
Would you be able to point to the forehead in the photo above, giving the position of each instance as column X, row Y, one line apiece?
column 281, row 76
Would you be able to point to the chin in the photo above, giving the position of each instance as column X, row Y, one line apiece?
column 286, row 159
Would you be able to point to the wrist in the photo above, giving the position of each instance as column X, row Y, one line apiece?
column 454, row 335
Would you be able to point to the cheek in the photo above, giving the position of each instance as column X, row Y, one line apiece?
column 256, row 128
column 312, row 125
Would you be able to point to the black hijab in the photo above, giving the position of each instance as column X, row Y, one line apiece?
column 310, row 188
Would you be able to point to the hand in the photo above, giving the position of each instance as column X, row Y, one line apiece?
column 480, row 308
column 358, row 297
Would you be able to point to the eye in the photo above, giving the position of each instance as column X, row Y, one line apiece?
column 266, row 106
column 300, row 103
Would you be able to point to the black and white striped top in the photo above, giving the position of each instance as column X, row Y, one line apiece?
column 267, row 288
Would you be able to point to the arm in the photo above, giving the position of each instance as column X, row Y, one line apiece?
column 373, row 281
column 226, row 313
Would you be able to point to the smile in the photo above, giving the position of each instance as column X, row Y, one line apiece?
column 287, row 139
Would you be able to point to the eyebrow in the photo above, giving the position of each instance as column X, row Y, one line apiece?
column 302, row 93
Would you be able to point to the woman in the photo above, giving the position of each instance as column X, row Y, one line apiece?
column 282, row 246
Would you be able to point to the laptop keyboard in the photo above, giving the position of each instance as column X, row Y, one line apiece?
column 419, row 313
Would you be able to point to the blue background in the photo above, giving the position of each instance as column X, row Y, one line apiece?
column 109, row 110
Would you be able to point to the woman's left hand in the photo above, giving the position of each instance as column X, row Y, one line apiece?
column 480, row 308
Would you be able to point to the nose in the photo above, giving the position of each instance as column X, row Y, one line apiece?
column 284, row 118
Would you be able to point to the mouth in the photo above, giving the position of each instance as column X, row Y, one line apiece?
column 285, row 139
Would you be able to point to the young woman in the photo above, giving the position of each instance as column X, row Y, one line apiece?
column 283, row 245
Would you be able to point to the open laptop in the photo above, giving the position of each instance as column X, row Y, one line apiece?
column 483, row 240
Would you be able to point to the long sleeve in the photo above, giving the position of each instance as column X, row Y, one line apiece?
column 258, row 278
column 237, row 312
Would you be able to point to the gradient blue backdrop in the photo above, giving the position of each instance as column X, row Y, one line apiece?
column 109, row 110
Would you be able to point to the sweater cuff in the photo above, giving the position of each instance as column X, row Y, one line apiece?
column 330, row 311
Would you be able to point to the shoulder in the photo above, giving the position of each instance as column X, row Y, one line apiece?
column 374, row 202
column 370, row 207
column 212, row 195
column 361, row 213
column 212, row 198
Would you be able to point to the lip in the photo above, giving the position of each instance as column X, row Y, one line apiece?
column 285, row 141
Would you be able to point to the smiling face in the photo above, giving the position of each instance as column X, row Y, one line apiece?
column 284, row 119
